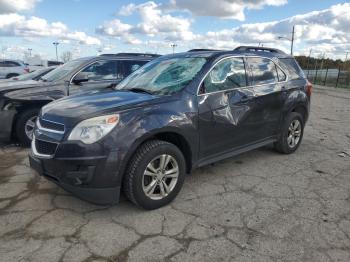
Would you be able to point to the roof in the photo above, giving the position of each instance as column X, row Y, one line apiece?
column 133, row 55
column 241, row 50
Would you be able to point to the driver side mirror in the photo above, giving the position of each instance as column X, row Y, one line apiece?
column 80, row 78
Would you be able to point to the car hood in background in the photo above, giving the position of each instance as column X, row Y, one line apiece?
column 16, row 85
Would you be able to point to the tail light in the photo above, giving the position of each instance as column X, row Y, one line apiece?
column 308, row 88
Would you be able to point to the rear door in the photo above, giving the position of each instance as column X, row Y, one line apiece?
column 225, row 102
column 268, row 82
column 100, row 74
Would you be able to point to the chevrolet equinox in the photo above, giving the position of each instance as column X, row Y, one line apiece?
column 174, row 114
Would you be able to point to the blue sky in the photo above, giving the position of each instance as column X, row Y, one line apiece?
column 86, row 27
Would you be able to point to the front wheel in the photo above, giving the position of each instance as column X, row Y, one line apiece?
column 155, row 174
column 25, row 126
column 291, row 134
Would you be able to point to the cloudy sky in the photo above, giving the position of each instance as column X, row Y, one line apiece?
column 87, row 27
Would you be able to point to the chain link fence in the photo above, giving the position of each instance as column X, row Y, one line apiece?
column 329, row 77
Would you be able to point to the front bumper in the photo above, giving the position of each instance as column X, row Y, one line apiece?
column 91, row 178
column 6, row 122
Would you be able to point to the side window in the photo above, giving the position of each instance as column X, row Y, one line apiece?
column 227, row 74
column 131, row 66
column 2, row 64
column 263, row 71
column 281, row 75
column 102, row 70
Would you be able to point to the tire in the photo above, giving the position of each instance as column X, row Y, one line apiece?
column 20, row 128
column 135, row 179
column 11, row 75
column 284, row 144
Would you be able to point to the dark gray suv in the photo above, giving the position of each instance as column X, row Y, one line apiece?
column 174, row 114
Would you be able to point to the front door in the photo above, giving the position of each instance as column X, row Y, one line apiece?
column 225, row 104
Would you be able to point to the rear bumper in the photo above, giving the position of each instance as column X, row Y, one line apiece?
column 6, row 122
column 89, row 179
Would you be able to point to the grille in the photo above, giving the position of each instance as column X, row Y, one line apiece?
column 51, row 125
column 45, row 148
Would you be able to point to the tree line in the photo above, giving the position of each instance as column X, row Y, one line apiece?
column 305, row 62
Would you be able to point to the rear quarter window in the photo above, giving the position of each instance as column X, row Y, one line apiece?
column 292, row 68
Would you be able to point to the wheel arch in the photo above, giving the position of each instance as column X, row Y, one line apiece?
column 168, row 135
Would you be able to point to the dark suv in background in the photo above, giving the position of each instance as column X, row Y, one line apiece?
column 176, row 113
column 20, row 102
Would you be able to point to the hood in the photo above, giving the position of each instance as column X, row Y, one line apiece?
column 92, row 104
column 15, row 85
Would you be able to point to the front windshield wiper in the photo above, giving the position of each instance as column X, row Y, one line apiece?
column 140, row 90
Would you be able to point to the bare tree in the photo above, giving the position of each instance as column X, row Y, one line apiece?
column 66, row 56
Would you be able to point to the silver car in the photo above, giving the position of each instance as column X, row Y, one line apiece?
column 10, row 68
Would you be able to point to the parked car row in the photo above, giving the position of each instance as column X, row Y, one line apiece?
column 20, row 103
column 174, row 114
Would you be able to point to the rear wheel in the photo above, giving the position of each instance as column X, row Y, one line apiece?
column 291, row 135
column 25, row 126
column 155, row 174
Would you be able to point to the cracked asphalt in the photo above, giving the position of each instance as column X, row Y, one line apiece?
column 260, row 206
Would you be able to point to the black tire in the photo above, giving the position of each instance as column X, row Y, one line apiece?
column 133, row 178
column 11, row 75
column 282, row 144
column 22, row 119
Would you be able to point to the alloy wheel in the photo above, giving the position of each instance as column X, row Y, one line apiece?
column 294, row 133
column 160, row 177
column 29, row 127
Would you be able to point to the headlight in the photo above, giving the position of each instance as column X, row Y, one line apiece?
column 91, row 130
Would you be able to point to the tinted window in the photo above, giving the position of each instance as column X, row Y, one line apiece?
column 263, row 71
column 102, row 70
column 227, row 74
column 292, row 67
column 131, row 66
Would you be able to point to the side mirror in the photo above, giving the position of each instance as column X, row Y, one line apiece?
column 80, row 78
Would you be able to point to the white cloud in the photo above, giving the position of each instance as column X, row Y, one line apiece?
column 19, row 25
column 325, row 31
column 11, row 6
column 154, row 22
column 230, row 9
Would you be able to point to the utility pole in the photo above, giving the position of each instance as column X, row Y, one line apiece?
column 173, row 46
column 308, row 62
column 56, row 44
column 30, row 52
column 289, row 39
column 292, row 44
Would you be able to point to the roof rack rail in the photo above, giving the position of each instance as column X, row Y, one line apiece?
column 132, row 54
column 258, row 49
column 201, row 49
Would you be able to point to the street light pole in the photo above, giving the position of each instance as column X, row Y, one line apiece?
column 173, row 46
column 289, row 39
column 30, row 52
column 56, row 44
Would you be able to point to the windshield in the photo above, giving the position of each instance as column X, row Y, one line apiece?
column 32, row 75
column 164, row 76
column 62, row 71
